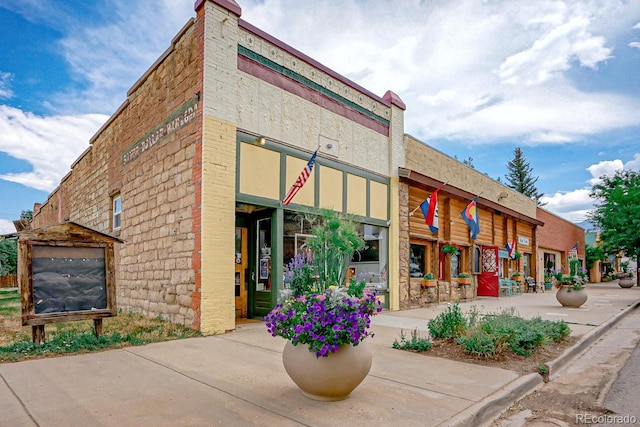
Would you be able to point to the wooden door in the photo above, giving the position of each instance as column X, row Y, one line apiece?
column 488, row 281
column 242, row 263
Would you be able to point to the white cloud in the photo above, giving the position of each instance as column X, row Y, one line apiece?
column 473, row 70
column 604, row 168
column 49, row 143
column 633, row 164
column 572, row 205
column 635, row 44
column 112, row 56
column 5, row 85
column 6, row 227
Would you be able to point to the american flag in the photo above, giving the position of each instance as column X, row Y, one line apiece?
column 573, row 252
column 302, row 178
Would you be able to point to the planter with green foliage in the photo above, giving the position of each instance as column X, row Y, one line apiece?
column 429, row 281
column 464, row 279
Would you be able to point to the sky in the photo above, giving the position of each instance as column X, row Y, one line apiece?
column 559, row 79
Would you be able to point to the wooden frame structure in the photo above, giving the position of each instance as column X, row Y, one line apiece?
column 66, row 273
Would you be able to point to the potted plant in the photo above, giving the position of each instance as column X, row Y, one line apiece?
column 516, row 276
column 464, row 279
column 326, row 320
column 449, row 248
column 626, row 280
column 547, row 282
column 571, row 291
column 517, row 255
column 429, row 280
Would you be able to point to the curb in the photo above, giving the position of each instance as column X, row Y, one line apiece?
column 487, row 409
column 587, row 340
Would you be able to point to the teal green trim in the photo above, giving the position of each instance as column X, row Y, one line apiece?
column 274, row 66
column 277, row 251
column 283, row 175
column 316, row 185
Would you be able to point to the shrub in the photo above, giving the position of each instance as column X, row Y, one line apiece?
column 481, row 344
column 416, row 343
column 449, row 324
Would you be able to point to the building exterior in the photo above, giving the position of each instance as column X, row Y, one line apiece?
column 190, row 172
column 504, row 215
column 192, row 169
column 556, row 240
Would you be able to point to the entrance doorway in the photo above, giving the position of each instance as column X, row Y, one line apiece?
column 488, row 281
column 242, row 262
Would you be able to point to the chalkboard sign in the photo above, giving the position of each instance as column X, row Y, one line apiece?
column 68, row 279
column 66, row 272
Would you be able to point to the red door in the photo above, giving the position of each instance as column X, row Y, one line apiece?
column 488, row 282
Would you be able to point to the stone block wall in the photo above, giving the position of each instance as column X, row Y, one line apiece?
column 154, row 270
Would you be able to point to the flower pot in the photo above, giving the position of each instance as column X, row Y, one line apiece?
column 328, row 378
column 429, row 283
column 547, row 286
column 627, row 282
column 571, row 298
column 464, row 281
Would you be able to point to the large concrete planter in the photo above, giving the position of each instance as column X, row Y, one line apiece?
column 627, row 283
column 328, row 378
column 569, row 297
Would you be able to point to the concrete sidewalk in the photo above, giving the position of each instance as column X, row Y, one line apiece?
column 237, row 379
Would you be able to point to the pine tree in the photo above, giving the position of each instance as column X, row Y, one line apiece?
column 520, row 177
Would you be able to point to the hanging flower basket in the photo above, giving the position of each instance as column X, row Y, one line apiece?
column 449, row 248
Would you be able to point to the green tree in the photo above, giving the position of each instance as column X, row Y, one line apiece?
column 520, row 178
column 8, row 256
column 26, row 215
column 593, row 254
column 468, row 161
column 617, row 212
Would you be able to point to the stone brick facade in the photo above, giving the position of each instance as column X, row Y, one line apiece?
column 155, row 275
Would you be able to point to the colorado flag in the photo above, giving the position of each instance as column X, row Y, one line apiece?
column 470, row 216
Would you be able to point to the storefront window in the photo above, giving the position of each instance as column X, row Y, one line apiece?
column 418, row 262
column 476, row 260
column 369, row 263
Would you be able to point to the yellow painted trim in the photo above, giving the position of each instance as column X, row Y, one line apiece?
column 356, row 195
column 394, row 244
column 330, row 188
column 217, row 305
column 259, row 171
column 378, row 200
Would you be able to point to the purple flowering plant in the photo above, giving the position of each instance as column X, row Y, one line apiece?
column 317, row 307
column 324, row 321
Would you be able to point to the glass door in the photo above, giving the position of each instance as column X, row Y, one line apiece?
column 262, row 277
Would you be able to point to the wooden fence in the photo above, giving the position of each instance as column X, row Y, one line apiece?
column 9, row 281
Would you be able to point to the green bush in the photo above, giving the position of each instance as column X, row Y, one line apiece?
column 416, row 343
column 488, row 336
column 449, row 324
column 508, row 331
column 481, row 344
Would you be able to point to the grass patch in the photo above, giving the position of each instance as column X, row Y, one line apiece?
column 126, row 329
